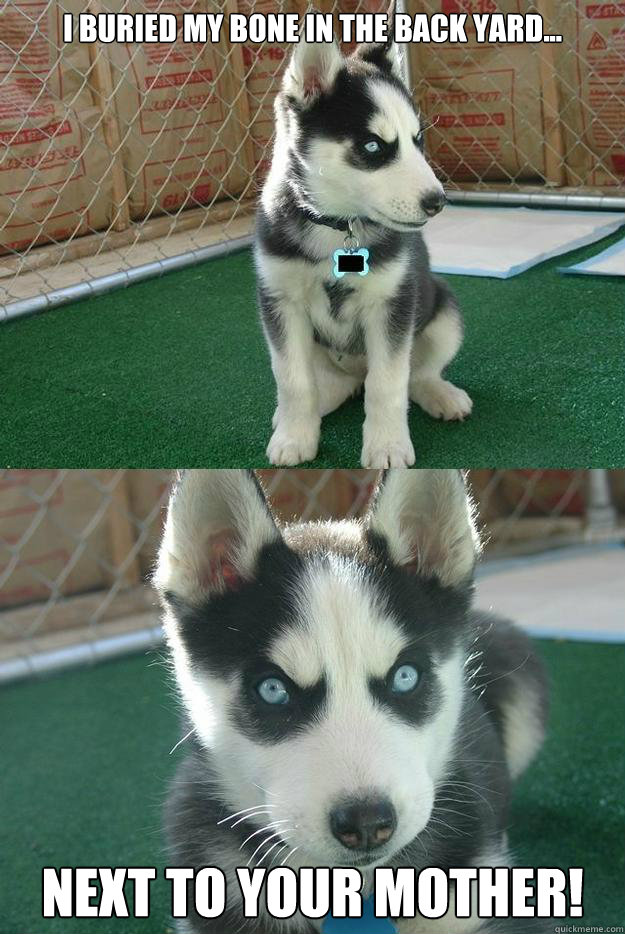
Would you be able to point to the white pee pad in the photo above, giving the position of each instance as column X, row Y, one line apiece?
column 503, row 242
column 610, row 262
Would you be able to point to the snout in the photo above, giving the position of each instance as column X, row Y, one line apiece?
column 363, row 823
column 433, row 202
column 403, row 213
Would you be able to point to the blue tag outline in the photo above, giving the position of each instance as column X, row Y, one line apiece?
column 361, row 252
column 367, row 924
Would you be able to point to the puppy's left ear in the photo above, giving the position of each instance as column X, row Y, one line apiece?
column 384, row 55
column 311, row 71
column 426, row 518
column 217, row 523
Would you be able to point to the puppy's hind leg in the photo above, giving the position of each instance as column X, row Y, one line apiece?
column 333, row 384
column 433, row 348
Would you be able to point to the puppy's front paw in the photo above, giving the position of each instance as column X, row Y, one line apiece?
column 383, row 450
column 293, row 443
column 441, row 399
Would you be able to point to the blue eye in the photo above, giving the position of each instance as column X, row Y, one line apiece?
column 372, row 146
column 273, row 691
column 405, row 679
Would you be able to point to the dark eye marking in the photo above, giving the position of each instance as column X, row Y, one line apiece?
column 410, row 689
column 419, row 140
column 271, row 707
column 372, row 152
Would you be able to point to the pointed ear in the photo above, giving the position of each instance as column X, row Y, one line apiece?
column 312, row 70
column 384, row 55
column 217, row 522
column 427, row 520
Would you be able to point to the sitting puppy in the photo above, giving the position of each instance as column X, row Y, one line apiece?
column 347, row 707
column 349, row 173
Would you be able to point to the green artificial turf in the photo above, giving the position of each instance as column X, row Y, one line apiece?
column 85, row 760
column 174, row 372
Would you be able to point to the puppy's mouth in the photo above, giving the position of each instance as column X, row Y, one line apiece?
column 398, row 225
column 365, row 860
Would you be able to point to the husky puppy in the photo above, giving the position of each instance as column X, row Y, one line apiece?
column 349, row 149
column 347, row 707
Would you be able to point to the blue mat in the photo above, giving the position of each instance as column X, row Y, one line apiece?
column 610, row 262
column 504, row 242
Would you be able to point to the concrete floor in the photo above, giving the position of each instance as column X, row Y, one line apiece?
column 577, row 593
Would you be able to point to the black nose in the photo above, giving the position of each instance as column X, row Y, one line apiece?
column 433, row 202
column 363, row 824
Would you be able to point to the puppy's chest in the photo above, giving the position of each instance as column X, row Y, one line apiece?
column 337, row 304
column 340, row 309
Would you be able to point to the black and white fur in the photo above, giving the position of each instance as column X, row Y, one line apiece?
column 395, row 329
column 332, row 609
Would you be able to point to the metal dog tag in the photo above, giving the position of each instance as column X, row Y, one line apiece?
column 351, row 261
column 351, row 258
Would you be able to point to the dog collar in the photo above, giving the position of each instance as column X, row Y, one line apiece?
column 336, row 223
column 367, row 924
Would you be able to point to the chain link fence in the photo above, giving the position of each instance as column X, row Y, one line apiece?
column 119, row 161
column 77, row 546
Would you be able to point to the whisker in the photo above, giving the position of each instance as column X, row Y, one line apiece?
column 265, row 790
column 180, row 742
column 456, row 830
column 270, row 826
column 294, row 850
column 427, row 126
column 272, row 847
column 474, row 788
column 249, row 817
column 243, row 811
column 278, row 853
column 261, row 845
column 445, row 810
column 506, row 674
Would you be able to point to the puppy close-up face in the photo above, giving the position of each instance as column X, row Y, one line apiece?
column 320, row 664
column 357, row 140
